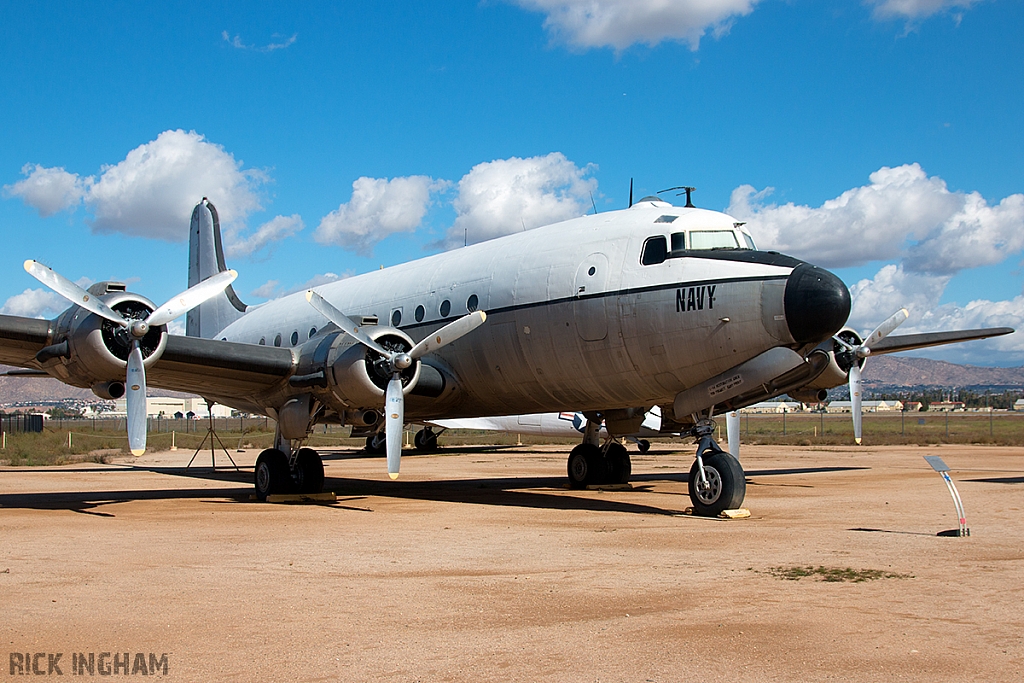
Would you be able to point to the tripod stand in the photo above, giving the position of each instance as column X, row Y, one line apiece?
column 211, row 434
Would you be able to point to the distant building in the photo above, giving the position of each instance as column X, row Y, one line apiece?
column 774, row 407
column 912, row 406
column 948, row 406
column 1018, row 404
column 168, row 407
column 865, row 406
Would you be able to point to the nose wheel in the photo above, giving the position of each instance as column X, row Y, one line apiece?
column 716, row 482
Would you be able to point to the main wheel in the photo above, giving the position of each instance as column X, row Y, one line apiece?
column 374, row 446
column 271, row 474
column 643, row 445
column 309, row 471
column 726, row 485
column 585, row 466
column 619, row 466
column 425, row 440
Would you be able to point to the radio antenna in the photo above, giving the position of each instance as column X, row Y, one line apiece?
column 630, row 192
column 686, row 189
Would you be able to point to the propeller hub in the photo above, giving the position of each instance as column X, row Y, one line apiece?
column 139, row 328
column 402, row 361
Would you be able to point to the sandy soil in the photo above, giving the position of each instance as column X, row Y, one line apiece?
column 478, row 566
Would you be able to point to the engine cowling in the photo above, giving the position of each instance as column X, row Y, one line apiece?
column 350, row 376
column 841, row 360
column 89, row 351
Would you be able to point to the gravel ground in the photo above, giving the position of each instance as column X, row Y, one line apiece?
column 477, row 565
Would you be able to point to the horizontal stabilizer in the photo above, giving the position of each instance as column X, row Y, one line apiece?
column 908, row 342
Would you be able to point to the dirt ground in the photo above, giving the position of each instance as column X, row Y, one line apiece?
column 477, row 565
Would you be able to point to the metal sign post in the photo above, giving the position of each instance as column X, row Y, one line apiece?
column 939, row 466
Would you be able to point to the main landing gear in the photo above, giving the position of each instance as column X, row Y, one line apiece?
column 301, row 472
column 716, row 481
column 591, row 464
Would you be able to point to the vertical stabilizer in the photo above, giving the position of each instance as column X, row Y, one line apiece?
column 206, row 258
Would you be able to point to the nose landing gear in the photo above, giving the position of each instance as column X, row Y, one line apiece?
column 716, row 481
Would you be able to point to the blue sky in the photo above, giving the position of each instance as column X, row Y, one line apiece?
column 880, row 139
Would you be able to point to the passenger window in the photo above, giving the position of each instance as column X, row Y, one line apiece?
column 295, row 337
column 713, row 239
column 312, row 331
column 446, row 308
column 678, row 241
column 472, row 303
column 263, row 341
column 655, row 250
column 396, row 317
column 277, row 339
column 420, row 312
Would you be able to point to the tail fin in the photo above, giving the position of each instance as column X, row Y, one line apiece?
column 206, row 258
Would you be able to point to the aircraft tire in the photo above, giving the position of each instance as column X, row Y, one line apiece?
column 425, row 441
column 309, row 471
column 271, row 474
column 618, row 464
column 643, row 445
column 728, row 485
column 376, row 449
column 585, row 466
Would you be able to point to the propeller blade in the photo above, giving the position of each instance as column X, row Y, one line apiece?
column 394, row 411
column 732, row 430
column 882, row 331
column 72, row 292
column 449, row 333
column 191, row 297
column 135, row 397
column 342, row 321
column 855, row 401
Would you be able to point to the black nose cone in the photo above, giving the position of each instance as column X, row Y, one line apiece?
column 817, row 304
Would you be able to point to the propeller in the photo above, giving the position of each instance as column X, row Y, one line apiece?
column 394, row 396
column 135, row 383
column 858, row 353
column 732, row 430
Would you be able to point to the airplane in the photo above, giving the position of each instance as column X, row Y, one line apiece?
column 609, row 314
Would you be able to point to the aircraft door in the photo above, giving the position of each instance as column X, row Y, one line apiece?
column 590, row 298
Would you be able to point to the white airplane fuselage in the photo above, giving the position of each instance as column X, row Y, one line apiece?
column 575, row 320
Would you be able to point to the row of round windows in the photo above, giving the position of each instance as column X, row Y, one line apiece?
column 472, row 303
column 445, row 309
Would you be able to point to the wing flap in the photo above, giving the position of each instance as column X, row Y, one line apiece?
column 22, row 338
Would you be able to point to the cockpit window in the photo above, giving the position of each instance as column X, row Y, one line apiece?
column 665, row 219
column 713, row 239
column 678, row 241
column 655, row 250
column 749, row 240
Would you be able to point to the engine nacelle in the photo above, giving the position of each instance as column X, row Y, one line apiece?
column 841, row 360
column 351, row 377
column 89, row 351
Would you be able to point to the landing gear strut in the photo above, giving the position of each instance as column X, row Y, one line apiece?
column 426, row 440
column 274, row 473
column 716, row 481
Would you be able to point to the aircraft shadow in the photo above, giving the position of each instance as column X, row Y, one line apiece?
column 999, row 480
column 524, row 492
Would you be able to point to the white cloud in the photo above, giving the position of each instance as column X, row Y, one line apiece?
column 236, row 42
column 916, row 9
column 276, row 229
column 49, row 190
column 893, row 288
column 271, row 289
column 509, row 195
column 378, row 208
column 35, row 303
column 621, row 23
column 901, row 213
column 152, row 191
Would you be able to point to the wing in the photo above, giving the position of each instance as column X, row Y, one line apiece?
column 909, row 342
column 229, row 372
